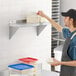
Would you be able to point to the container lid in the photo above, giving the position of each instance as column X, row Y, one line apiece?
column 21, row 66
column 28, row 59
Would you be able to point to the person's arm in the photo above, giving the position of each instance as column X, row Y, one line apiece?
column 67, row 63
column 54, row 24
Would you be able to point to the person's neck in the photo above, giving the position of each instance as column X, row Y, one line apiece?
column 72, row 29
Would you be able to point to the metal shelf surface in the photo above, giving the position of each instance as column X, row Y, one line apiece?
column 13, row 27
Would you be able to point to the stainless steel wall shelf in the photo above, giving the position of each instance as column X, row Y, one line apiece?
column 13, row 27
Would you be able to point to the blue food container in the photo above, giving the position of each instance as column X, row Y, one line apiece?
column 21, row 66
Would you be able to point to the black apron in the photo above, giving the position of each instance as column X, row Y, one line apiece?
column 67, row 70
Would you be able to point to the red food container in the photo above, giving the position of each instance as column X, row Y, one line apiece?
column 28, row 60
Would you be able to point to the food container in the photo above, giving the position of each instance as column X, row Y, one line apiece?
column 33, row 61
column 49, row 60
column 21, row 69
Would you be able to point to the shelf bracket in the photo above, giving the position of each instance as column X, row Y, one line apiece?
column 40, row 29
column 12, row 31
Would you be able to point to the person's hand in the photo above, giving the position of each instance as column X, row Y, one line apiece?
column 41, row 13
column 55, row 62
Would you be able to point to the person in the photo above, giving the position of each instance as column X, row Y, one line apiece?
column 68, row 61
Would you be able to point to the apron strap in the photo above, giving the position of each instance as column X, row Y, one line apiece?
column 73, row 35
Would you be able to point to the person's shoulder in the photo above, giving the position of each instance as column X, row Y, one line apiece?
column 66, row 32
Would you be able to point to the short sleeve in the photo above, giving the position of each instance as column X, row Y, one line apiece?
column 72, row 53
column 66, row 32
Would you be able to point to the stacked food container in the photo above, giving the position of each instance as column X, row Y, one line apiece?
column 26, row 67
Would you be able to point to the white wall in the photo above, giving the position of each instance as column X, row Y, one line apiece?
column 25, row 42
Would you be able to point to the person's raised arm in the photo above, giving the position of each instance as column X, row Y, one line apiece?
column 54, row 24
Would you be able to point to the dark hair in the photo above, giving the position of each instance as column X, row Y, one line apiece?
column 74, row 23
